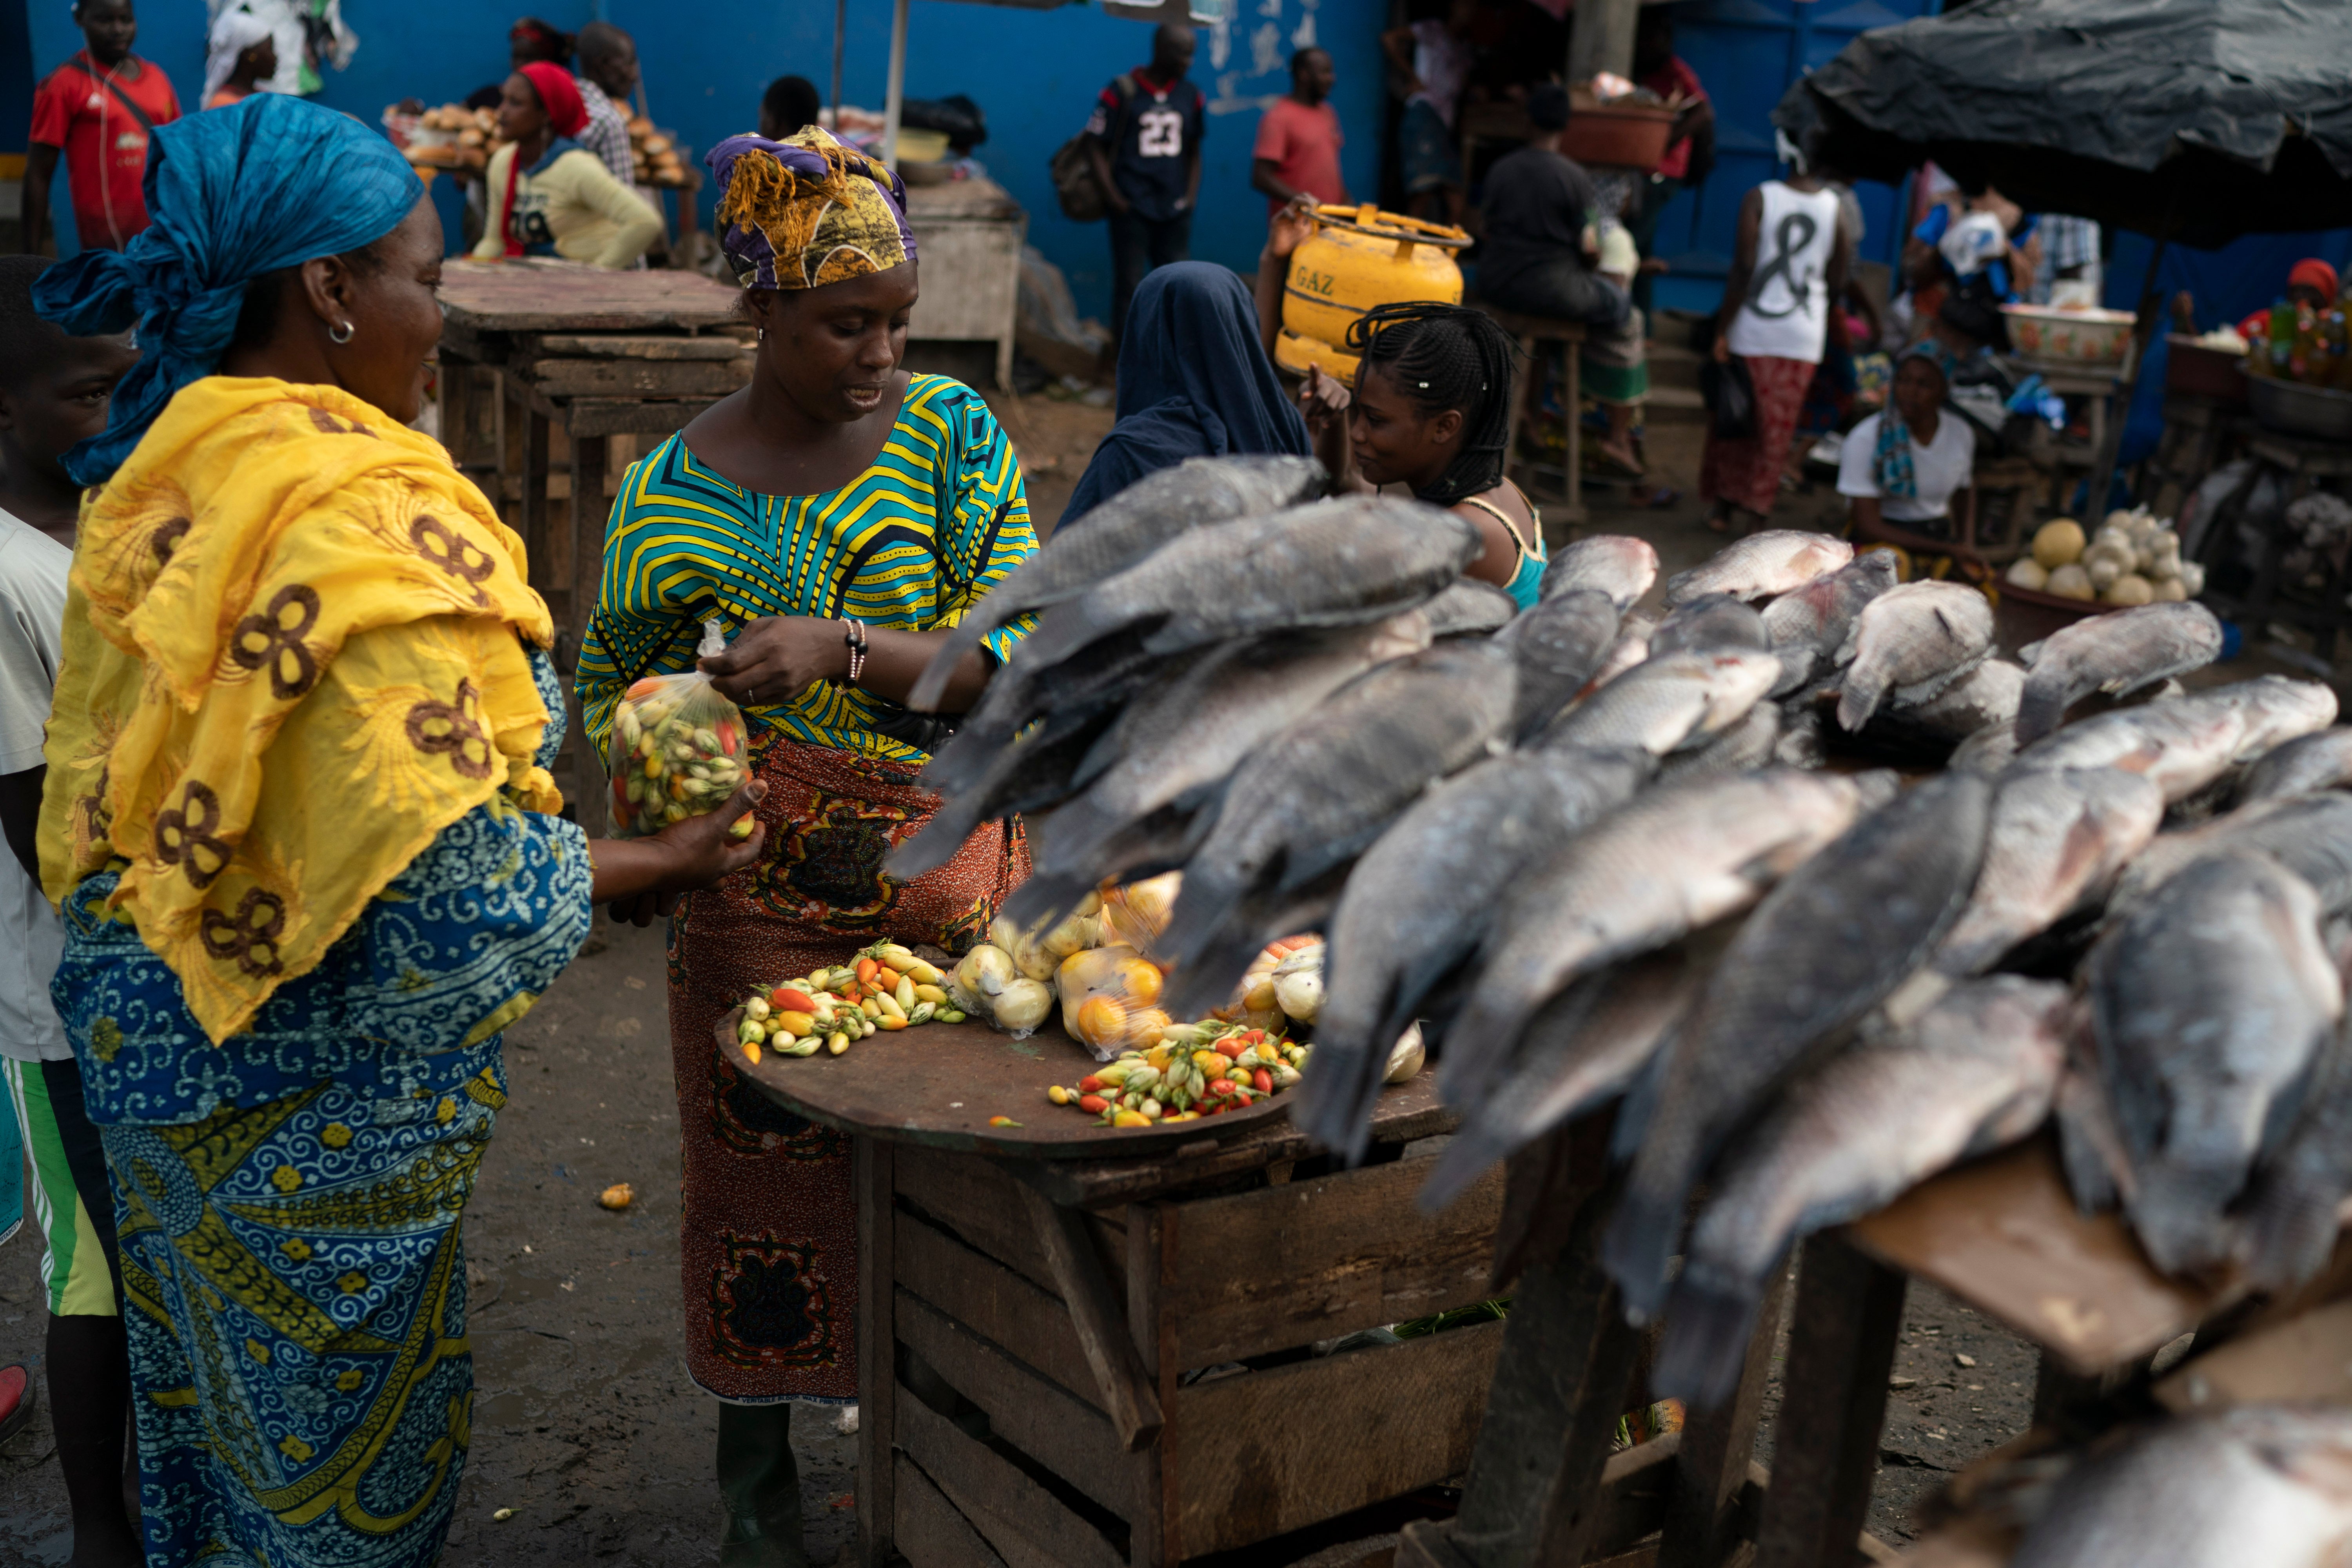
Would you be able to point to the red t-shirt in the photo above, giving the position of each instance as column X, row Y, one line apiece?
column 105, row 145
column 1304, row 145
column 1675, row 77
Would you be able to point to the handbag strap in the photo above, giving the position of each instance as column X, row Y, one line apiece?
column 121, row 97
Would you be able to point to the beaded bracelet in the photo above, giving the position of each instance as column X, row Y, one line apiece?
column 855, row 639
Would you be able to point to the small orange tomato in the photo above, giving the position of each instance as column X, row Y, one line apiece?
column 867, row 968
column 1263, row 1079
column 1093, row 1104
column 1231, row 1047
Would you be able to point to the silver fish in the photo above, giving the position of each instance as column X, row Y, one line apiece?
column 1986, row 694
column 1579, row 1051
column 2184, row 743
column 1975, row 1071
column 1175, row 746
column 1469, row 607
column 1810, row 627
column 2057, row 843
column 1616, row 565
column 1421, row 897
column 2117, row 654
column 1775, row 561
column 1632, row 646
column 1557, row 647
column 1824, row 947
column 2289, row 1222
column 1799, row 743
column 1306, row 805
column 1914, row 642
column 1665, row 703
column 1710, row 624
column 1679, row 857
column 1117, row 534
column 2308, row 763
column 2311, row 836
column 2258, row 1484
column 2208, row 1003
column 1751, row 743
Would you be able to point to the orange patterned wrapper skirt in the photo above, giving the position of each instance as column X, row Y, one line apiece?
column 769, row 1223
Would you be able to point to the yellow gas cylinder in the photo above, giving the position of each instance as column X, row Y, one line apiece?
column 1356, row 258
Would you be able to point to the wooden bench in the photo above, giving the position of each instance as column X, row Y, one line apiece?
column 1532, row 332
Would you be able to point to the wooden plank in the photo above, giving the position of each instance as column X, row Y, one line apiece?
column 989, row 1299
column 1834, row 1402
column 1266, row 1452
column 1028, row 1526
column 974, row 1199
column 1147, row 1260
column 1064, row 1433
column 572, row 345
column 878, row 1378
column 631, row 416
column 634, row 377
column 931, row 1534
column 1265, row 1270
column 2306, row 1360
column 1704, row 1511
column 1098, row 1321
column 537, row 296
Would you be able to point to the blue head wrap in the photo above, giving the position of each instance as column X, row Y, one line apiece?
column 234, row 194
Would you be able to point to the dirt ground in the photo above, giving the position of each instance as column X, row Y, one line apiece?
column 585, row 1421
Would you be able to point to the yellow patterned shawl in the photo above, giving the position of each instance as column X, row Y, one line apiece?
column 291, row 658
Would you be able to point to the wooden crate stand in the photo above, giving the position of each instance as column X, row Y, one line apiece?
column 1040, row 1414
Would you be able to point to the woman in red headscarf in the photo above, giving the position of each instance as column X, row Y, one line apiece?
column 550, row 195
column 2310, row 286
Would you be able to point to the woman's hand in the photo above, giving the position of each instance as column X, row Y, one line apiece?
column 1290, row 227
column 776, row 657
column 1322, row 402
column 1723, row 348
column 642, row 878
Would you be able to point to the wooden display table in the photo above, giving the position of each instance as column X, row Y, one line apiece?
column 1035, row 1303
column 967, row 240
column 532, row 349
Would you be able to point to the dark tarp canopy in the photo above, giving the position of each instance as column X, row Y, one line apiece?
column 2195, row 120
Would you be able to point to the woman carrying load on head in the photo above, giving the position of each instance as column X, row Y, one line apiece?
column 291, row 616
column 1430, row 410
column 548, row 195
column 835, row 516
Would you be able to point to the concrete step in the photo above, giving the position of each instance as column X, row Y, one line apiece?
column 1673, row 406
column 1672, row 367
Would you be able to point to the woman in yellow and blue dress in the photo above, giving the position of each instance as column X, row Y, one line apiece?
column 298, row 814
column 836, row 517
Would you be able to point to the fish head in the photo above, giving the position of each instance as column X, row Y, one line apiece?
column 1736, row 681
column 1616, row 565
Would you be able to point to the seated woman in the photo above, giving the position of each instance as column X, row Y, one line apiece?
column 1193, row 382
column 548, row 195
column 1430, row 410
column 298, row 815
column 1906, row 466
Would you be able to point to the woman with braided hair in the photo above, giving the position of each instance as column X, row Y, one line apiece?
column 1430, row 410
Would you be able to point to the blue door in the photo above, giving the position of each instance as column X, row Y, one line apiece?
column 1747, row 53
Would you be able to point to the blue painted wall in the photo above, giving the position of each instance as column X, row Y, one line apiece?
column 1035, row 72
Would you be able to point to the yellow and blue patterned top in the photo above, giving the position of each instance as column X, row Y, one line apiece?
column 938, row 518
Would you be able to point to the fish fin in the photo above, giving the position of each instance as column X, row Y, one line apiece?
column 2029, row 652
column 1467, row 1155
column 1042, row 901
column 939, row 840
column 924, row 696
column 1704, row 1348
column 2040, row 708
column 1641, row 1102
column 2089, row 1148
column 1858, row 701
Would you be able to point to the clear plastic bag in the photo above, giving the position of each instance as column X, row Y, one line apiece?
column 679, row 748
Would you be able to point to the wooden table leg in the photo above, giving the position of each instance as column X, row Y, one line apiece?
column 1825, row 1447
column 877, row 1353
column 1711, row 1466
column 1099, row 1320
column 1573, row 408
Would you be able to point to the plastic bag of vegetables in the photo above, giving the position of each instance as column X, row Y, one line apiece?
column 990, row 986
column 1256, row 1005
column 1137, row 913
column 678, row 750
column 1110, row 1001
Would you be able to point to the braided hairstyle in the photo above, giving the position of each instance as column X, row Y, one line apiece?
column 1442, row 357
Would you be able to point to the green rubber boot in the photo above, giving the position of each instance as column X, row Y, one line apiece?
column 761, row 1484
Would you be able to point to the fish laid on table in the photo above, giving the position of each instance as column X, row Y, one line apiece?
column 2300, row 766
column 1811, row 627
column 1173, row 749
column 1331, row 563
column 2184, row 743
column 2117, row 654
column 1556, row 648
column 1753, row 743
column 1973, row 1072
column 2288, row 1220
column 2267, row 1484
column 1614, row 563
column 1775, row 561
column 1306, row 805
column 1986, row 696
column 1632, row 646
column 1711, row 623
column 1579, row 1051
column 2057, row 843
column 1678, row 857
column 1469, row 607
column 2310, row 835
column 2210, row 1001
column 1824, row 947
column 1419, row 900
column 1911, row 643
column 1665, row 704
column 1117, row 534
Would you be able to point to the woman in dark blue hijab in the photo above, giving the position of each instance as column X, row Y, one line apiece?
column 1193, row 382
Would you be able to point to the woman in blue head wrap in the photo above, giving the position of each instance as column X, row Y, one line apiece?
column 297, row 817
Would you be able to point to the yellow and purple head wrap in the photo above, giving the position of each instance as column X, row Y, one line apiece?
column 807, row 211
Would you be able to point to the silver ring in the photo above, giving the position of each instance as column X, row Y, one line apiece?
column 341, row 334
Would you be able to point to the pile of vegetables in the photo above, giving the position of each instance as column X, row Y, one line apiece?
column 1194, row 1071
column 2134, row 559
column 887, row 987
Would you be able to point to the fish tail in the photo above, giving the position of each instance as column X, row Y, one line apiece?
column 924, row 696
column 1467, row 1155
column 2040, row 709
column 1704, row 1347
column 1641, row 1236
column 1336, row 1099
column 938, row 842
column 1044, row 898
column 1859, row 700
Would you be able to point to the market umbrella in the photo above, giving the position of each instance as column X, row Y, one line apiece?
column 2195, row 120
